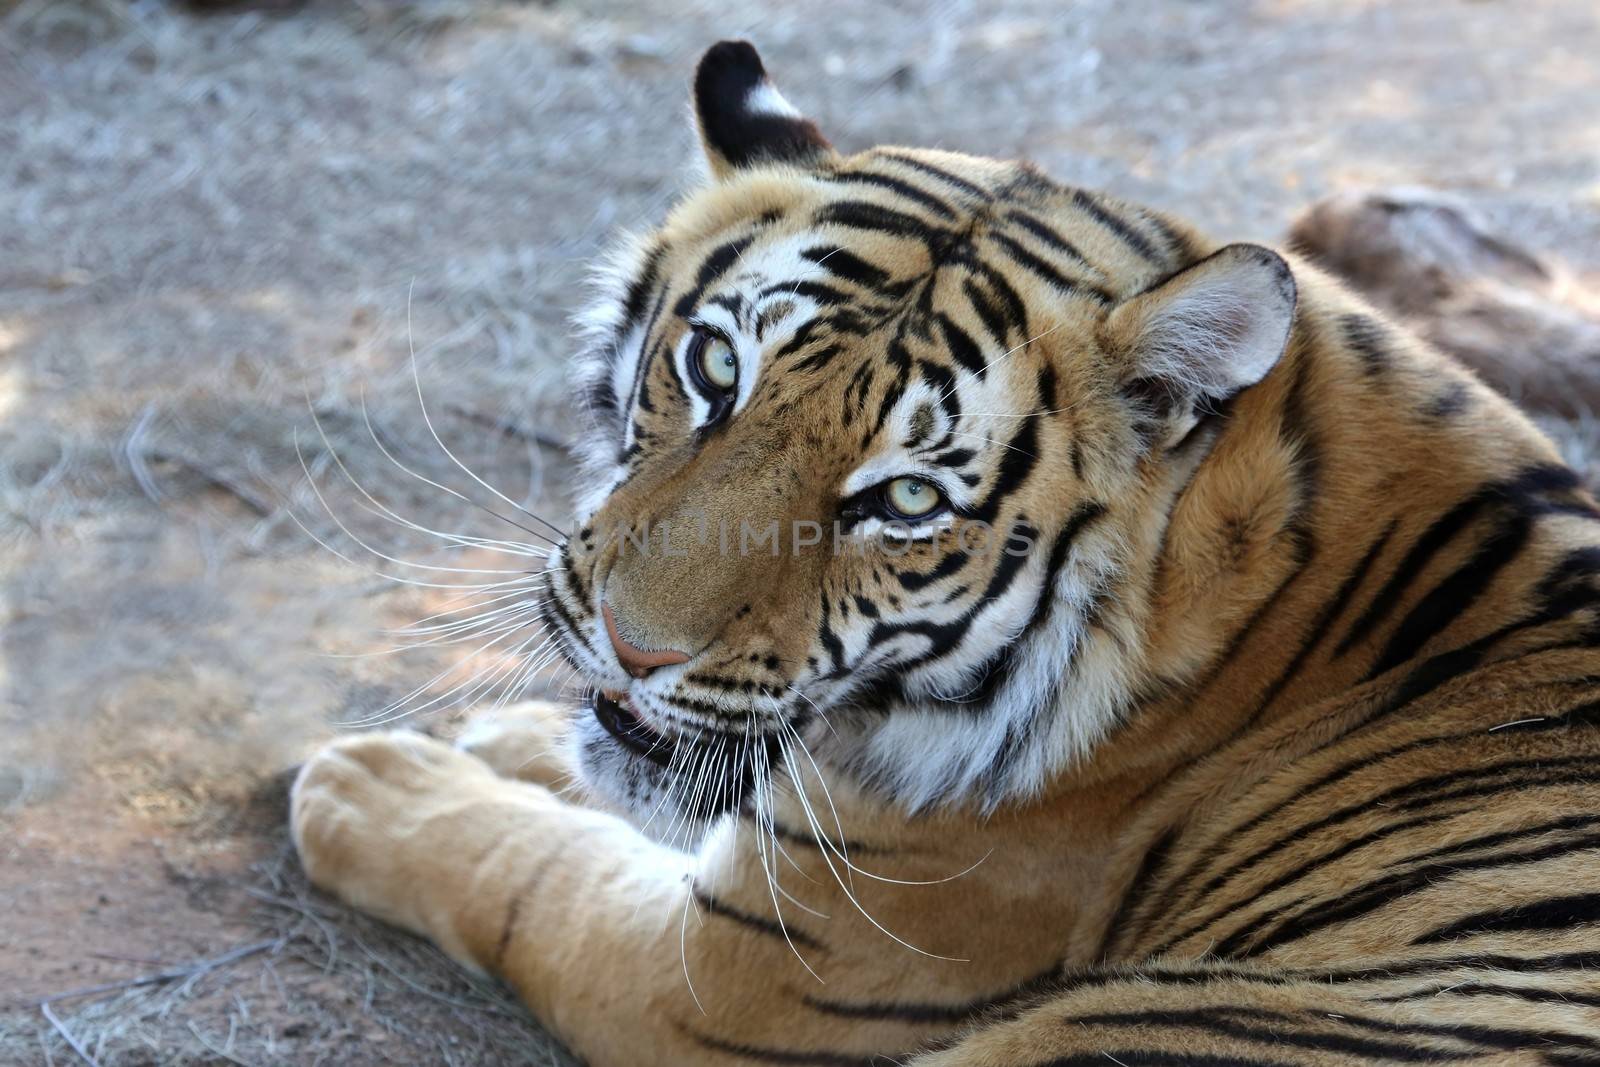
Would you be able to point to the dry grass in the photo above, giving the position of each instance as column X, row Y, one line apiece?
column 314, row 984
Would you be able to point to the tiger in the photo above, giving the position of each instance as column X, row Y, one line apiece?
column 1021, row 631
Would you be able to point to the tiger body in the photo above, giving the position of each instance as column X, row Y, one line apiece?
column 1276, row 745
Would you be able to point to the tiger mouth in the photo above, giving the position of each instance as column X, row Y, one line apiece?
column 616, row 714
column 725, row 776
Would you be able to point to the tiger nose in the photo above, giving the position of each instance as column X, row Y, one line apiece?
column 637, row 661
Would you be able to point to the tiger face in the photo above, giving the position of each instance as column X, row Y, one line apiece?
column 880, row 457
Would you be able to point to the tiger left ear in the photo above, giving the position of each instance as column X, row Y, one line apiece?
column 743, row 120
column 1202, row 336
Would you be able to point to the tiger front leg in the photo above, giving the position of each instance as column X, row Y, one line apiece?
column 626, row 949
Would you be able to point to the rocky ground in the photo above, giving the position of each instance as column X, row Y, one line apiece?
column 235, row 245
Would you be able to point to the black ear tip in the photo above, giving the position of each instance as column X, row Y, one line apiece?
column 729, row 62
column 1281, row 274
column 742, row 118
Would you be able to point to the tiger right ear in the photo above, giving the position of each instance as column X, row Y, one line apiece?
column 743, row 120
column 1208, row 332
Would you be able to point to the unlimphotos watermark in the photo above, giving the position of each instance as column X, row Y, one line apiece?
column 698, row 533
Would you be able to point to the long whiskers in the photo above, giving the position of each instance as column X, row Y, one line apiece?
column 384, row 511
column 764, row 815
column 366, row 416
column 428, row 421
column 838, row 849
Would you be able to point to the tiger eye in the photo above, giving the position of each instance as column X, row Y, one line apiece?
column 719, row 366
column 912, row 497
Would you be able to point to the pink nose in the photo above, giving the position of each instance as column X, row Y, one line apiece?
column 637, row 661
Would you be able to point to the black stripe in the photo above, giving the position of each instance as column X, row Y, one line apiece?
column 638, row 297
column 1295, row 874
column 1451, row 598
column 1519, row 493
column 567, row 627
column 1010, row 566
column 946, row 636
column 1532, row 994
column 569, row 568
column 1043, row 232
column 803, row 335
column 1155, row 858
column 1049, row 273
column 1368, row 339
column 1407, row 968
column 1378, row 894
column 1300, row 831
column 824, row 295
column 1015, row 466
column 1135, row 1057
column 1177, row 974
column 1015, row 310
column 1421, row 554
column 1321, row 625
column 1076, row 523
column 1178, row 244
column 1131, row 237
column 758, row 923
column 809, row 838
column 1453, row 401
column 1552, row 913
column 994, row 320
column 905, row 189
column 818, row 359
column 961, row 347
column 830, row 640
column 1301, row 549
column 716, row 263
column 925, row 1012
column 915, row 581
column 1212, row 1021
column 799, row 1057
column 733, row 302
column 1506, row 837
column 1293, row 928
column 847, row 265
column 953, row 180
column 649, row 351
column 1490, row 1036
column 860, row 215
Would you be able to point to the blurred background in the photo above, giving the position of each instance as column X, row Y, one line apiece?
column 239, row 241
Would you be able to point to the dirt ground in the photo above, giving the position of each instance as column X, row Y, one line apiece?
column 223, row 237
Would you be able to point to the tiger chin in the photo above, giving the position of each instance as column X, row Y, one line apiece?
column 1024, row 630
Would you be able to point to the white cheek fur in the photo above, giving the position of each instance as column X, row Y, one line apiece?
column 606, row 363
column 1065, row 691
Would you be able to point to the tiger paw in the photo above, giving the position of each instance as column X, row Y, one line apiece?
column 526, row 741
column 381, row 821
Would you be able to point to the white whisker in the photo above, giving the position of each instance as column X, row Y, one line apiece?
column 428, row 421
column 823, row 844
column 372, row 432
column 381, row 509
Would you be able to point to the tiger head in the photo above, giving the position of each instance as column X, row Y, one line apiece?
column 880, row 458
